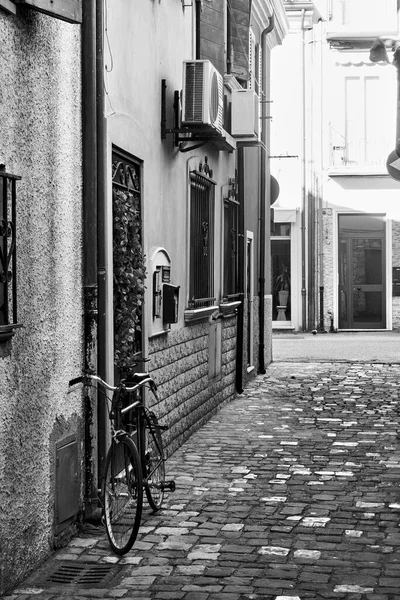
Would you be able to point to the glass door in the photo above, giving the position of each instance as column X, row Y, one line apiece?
column 362, row 283
column 281, row 276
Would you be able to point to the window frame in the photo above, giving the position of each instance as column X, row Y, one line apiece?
column 8, row 255
column 201, row 243
column 371, row 154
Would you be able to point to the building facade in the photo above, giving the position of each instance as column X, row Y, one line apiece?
column 141, row 229
column 41, row 327
column 202, row 187
column 336, row 216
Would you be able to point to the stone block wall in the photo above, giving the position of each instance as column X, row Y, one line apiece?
column 329, row 264
column 188, row 395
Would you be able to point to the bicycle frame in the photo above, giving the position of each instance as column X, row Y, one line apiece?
column 140, row 421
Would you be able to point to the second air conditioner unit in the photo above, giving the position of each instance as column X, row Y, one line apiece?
column 202, row 96
column 245, row 111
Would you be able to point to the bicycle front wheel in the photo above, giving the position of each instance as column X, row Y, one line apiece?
column 123, row 495
column 155, row 466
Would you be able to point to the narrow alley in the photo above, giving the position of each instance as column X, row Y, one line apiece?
column 289, row 492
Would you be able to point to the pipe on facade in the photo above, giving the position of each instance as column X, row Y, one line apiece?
column 263, row 196
column 320, row 191
column 303, row 183
column 241, row 258
column 89, row 217
column 101, row 229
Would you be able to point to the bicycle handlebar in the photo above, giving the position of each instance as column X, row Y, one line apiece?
column 143, row 379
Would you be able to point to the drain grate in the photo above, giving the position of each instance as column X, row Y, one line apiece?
column 80, row 575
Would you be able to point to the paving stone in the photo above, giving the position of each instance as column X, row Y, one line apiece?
column 288, row 492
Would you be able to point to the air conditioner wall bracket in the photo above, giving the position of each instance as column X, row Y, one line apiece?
column 182, row 135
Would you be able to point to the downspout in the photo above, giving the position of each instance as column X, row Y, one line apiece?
column 320, row 192
column 89, row 216
column 241, row 259
column 263, row 196
column 101, row 234
column 303, row 183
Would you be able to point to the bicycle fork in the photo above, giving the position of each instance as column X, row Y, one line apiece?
column 161, row 485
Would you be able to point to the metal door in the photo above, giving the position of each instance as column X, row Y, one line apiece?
column 362, row 283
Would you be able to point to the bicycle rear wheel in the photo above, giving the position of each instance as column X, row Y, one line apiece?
column 155, row 466
column 123, row 494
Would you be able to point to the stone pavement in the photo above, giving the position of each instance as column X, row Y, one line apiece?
column 290, row 492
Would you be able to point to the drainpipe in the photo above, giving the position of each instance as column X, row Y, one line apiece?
column 264, row 194
column 89, row 216
column 101, row 233
column 320, row 192
column 303, row 184
column 241, row 263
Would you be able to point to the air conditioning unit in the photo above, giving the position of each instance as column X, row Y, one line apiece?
column 245, row 114
column 202, row 95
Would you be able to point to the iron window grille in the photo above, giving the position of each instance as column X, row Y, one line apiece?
column 230, row 249
column 127, row 178
column 8, row 255
column 201, row 282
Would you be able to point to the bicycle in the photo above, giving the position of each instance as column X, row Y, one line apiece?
column 135, row 460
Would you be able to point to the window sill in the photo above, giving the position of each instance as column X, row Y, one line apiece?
column 158, row 334
column 199, row 314
column 348, row 32
column 7, row 332
column 358, row 172
column 8, row 6
column 229, row 309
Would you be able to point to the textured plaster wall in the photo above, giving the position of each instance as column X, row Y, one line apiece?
column 40, row 140
column 179, row 363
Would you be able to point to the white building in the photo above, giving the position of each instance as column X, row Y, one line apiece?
column 337, row 214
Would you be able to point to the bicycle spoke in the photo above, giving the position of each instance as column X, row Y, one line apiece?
column 123, row 495
column 155, row 467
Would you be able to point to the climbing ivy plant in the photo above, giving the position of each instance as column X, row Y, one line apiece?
column 129, row 278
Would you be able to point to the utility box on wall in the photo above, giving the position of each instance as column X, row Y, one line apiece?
column 67, row 482
column 165, row 304
column 170, row 303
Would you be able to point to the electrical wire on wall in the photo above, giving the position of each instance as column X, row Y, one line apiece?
column 108, row 69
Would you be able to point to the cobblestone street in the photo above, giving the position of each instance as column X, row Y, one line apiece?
column 290, row 492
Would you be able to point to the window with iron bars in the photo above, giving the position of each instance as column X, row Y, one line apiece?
column 8, row 255
column 230, row 248
column 201, row 282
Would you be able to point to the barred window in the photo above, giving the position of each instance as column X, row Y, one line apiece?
column 230, row 247
column 8, row 255
column 201, row 277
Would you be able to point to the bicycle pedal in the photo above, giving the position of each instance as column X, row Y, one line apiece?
column 168, row 485
column 162, row 427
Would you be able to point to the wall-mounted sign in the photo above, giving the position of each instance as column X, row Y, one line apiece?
column 393, row 165
column 66, row 10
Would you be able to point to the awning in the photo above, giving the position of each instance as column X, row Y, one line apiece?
column 284, row 214
column 286, row 170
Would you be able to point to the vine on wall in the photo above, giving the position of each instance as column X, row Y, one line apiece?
column 129, row 278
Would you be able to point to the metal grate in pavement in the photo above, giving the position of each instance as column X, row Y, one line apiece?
column 79, row 574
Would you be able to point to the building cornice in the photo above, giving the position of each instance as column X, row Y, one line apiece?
column 262, row 11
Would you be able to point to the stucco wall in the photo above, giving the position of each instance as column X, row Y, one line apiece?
column 40, row 141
